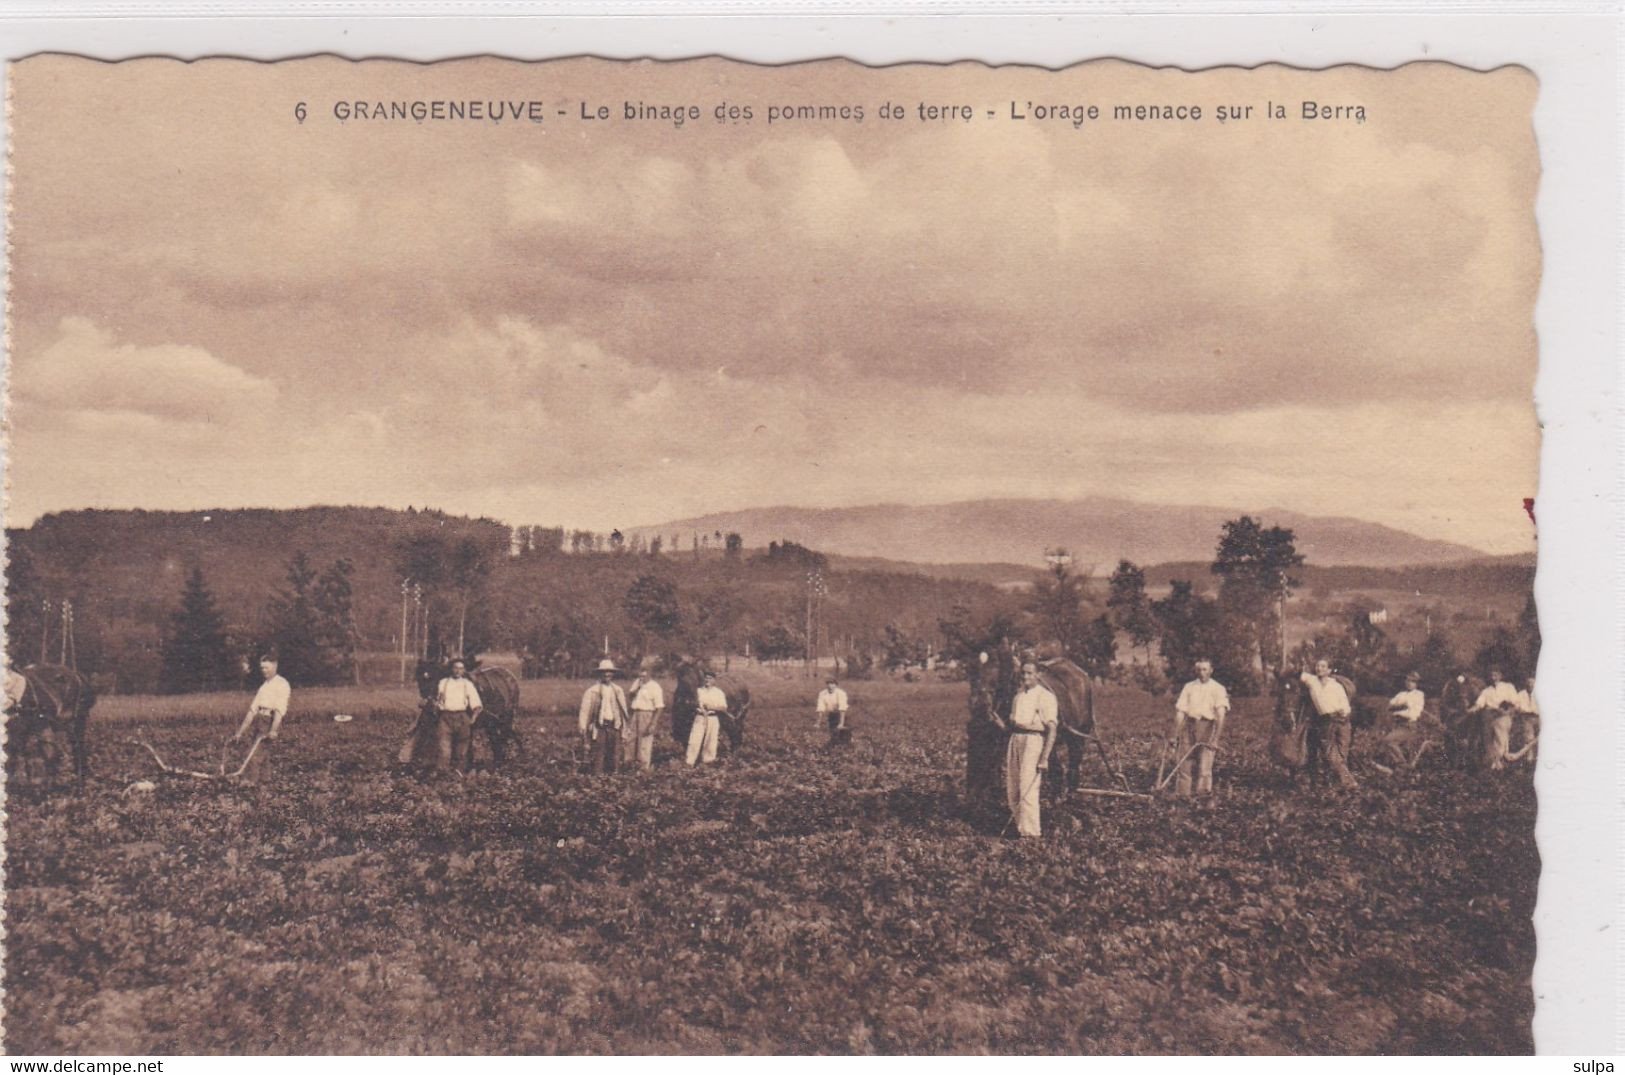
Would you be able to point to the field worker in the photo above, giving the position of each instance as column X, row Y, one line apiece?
column 1405, row 713
column 1198, row 719
column 457, row 701
column 1497, row 702
column 702, row 737
column 647, row 702
column 604, row 715
column 832, row 706
column 265, row 715
column 16, row 687
column 1034, row 718
column 1333, row 727
column 1528, row 718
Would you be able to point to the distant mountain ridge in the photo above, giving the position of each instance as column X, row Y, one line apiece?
column 1097, row 530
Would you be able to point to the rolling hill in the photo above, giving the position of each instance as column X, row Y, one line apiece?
column 1097, row 531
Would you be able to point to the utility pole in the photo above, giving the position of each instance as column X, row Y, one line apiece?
column 1281, row 616
column 406, row 585
column 70, row 654
column 815, row 591
column 420, row 640
column 807, row 658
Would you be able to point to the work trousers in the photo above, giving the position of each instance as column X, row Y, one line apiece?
column 456, row 730
column 1498, row 743
column 702, row 738
column 1528, row 732
column 259, row 766
column 1329, row 738
column 604, row 749
column 639, row 738
column 1399, row 740
column 838, row 731
column 1193, row 731
column 1021, row 781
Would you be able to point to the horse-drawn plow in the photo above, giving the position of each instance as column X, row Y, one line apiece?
column 222, row 772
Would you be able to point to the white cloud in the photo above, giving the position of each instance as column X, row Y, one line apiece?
column 86, row 370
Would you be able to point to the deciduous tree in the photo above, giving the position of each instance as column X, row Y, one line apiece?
column 1255, row 564
column 1131, row 607
column 651, row 604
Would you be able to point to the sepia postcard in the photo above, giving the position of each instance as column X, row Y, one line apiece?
column 634, row 557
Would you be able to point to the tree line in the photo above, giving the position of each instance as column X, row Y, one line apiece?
column 439, row 584
column 1240, row 629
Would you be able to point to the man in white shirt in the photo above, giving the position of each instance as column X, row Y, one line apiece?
column 1034, row 718
column 1332, row 727
column 1405, row 715
column 604, row 714
column 265, row 715
column 1198, row 719
column 457, row 701
column 832, row 706
column 1528, row 719
column 1496, row 704
column 647, row 702
column 702, row 735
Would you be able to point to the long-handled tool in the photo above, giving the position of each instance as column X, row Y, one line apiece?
column 1105, row 759
column 1113, row 793
column 1526, row 748
column 1038, row 774
column 1162, row 760
column 1163, row 782
column 174, row 770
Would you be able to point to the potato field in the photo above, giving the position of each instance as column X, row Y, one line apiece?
column 791, row 899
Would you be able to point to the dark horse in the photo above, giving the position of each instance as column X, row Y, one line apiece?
column 1468, row 736
column 56, row 701
column 1295, row 738
column 685, row 704
column 995, row 677
column 499, row 699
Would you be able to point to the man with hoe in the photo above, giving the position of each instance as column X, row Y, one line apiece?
column 1198, row 719
column 264, row 717
column 1034, row 720
column 832, row 706
column 1496, row 704
column 1405, row 711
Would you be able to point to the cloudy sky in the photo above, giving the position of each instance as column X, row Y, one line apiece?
column 615, row 323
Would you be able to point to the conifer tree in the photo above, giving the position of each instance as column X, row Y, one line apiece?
column 196, row 656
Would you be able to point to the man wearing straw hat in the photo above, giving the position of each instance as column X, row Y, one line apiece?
column 1198, row 719
column 1034, row 718
column 603, row 714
